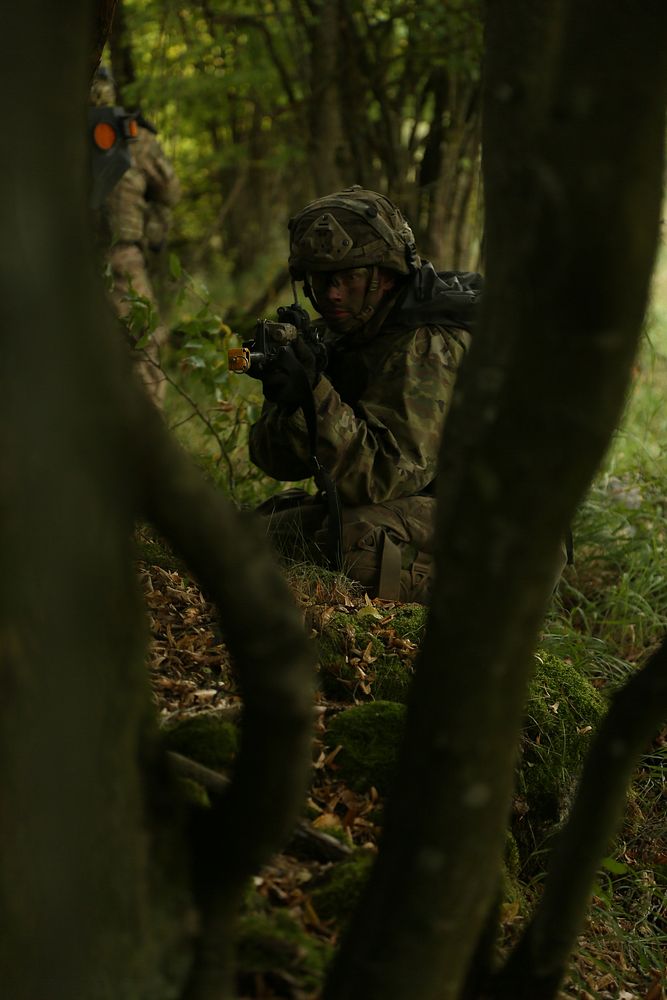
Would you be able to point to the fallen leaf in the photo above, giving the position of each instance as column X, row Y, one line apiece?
column 656, row 992
column 327, row 821
column 368, row 611
column 367, row 655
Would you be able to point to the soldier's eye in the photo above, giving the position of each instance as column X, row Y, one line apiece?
column 353, row 277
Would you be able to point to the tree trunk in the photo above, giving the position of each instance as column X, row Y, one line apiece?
column 75, row 864
column 327, row 152
column 574, row 127
column 102, row 21
column 449, row 177
column 122, row 58
column 95, row 872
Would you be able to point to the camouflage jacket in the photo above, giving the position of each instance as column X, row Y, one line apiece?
column 380, row 404
column 149, row 181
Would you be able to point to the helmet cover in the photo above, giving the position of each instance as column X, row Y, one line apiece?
column 351, row 228
column 103, row 88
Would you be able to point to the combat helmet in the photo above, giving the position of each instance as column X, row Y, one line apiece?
column 351, row 228
column 103, row 88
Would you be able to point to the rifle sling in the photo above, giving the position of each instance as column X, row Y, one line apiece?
column 323, row 481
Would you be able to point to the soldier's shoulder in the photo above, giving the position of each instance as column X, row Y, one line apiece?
column 438, row 338
column 147, row 146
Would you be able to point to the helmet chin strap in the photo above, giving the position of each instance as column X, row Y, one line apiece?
column 371, row 299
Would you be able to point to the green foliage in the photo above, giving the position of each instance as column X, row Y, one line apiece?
column 617, row 590
column 210, row 409
column 236, row 92
column 205, row 738
column 628, row 907
column 612, row 604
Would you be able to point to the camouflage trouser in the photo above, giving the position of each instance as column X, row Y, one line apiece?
column 387, row 547
column 128, row 269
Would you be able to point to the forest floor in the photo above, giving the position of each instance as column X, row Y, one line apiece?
column 296, row 909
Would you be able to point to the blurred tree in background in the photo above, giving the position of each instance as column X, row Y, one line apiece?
column 265, row 104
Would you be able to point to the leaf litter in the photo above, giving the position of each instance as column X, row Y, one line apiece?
column 191, row 672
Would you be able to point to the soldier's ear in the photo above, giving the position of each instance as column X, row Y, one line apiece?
column 386, row 279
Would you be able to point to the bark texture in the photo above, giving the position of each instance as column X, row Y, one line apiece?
column 103, row 15
column 328, row 153
column 74, row 864
column 95, row 874
column 574, row 126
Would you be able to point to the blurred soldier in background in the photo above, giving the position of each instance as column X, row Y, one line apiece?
column 135, row 221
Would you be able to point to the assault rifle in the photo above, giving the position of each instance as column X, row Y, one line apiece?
column 257, row 356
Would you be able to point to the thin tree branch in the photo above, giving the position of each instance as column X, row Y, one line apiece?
column 274, row 661
column 538, row 964
column 249, row 21
column 102, row 20
column 306, row 840
column 197, row 411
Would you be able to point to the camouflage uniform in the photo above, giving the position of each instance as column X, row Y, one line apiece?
column 138, row 215
column 380, row 404
column 136, row 219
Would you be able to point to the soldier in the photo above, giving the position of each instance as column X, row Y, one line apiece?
column 395, row 332
column 136, row 219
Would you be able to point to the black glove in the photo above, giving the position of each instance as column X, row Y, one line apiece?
column 292, row 373
column 296, row 315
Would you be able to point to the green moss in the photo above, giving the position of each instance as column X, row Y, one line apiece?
column 194, row 793
column 205, row 737
column 512, row 856
column 512, row 889
column 409, row 621
column 338, row 679
column 392, row 680
column 380, row 673
column 370, row 736
column 272, row 943
column 337, row 894
column 562, row 712
column 154, row 551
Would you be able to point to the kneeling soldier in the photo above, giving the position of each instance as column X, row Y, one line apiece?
column 395, row 331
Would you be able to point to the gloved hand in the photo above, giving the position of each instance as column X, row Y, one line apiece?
column 292, row 373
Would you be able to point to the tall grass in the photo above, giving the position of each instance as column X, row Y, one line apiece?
column 610, row 613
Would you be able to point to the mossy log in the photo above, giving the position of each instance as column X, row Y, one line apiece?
column 366, row 653
column 201, row 746
column 275, row 947
column 335, row 895
column 210, row 738
column 562, row 712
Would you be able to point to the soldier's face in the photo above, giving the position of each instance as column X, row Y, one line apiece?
column 340, row 295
